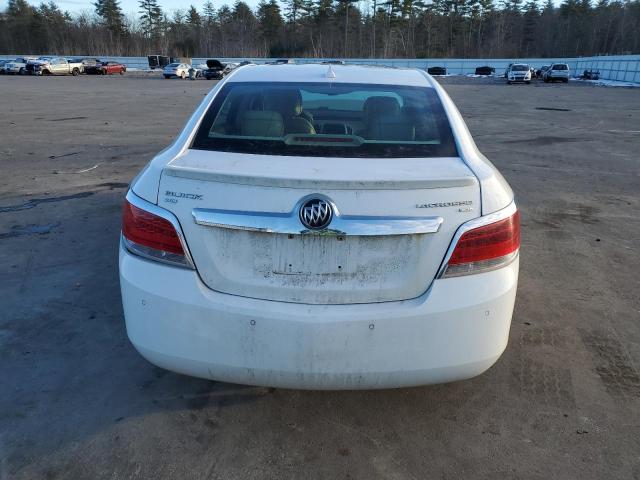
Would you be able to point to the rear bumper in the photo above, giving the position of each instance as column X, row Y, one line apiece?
column 456, row 330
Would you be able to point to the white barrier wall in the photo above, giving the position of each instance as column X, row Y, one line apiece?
column 617, row 67
column 625, row 68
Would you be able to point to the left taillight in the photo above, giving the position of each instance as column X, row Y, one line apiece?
column 485, row 244
column 153, row 235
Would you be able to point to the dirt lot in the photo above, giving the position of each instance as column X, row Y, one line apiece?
column 76, row 400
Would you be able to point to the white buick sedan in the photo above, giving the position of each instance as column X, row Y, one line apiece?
column 321, row 227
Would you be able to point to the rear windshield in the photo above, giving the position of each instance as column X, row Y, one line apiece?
column 560, row 67
column 173, row 65
column 326, row 120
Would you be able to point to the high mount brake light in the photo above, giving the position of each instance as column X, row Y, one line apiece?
column 152, row 236
column 485, row 247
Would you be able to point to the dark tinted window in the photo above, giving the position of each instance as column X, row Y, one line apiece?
column 328, row 120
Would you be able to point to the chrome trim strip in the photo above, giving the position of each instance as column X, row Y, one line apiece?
column 289, row 223
column 180, row 171
column 136, row 201
column 506, row 212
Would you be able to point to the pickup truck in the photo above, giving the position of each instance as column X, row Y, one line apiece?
column 56, row 66
column 17, row 66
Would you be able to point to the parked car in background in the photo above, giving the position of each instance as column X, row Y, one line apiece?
column 31, row 64
column 557, row 72
column 506, row 72
column 214, row 70
column 519, row 72
column 195, row 71
column 55, row 66
column 105, row 68
column 485, row 70
column 540, row 71
column 257, row 250
column 533, row 71
column 437, row 71
column 85, row 62
column 591, row 75
column 180, row 70
column 230, row 67
column 2, row 62
column 17, row 66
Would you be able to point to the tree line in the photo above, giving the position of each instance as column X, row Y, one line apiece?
column 329, row 28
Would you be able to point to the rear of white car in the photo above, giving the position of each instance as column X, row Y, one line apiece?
column 321, row 227
column 557, row 72
column 180, row 70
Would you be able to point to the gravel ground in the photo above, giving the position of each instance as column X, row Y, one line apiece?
column 77, row 401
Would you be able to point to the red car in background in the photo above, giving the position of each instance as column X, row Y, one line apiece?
column 105, row 68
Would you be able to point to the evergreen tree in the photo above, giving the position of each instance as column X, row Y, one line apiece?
column 111, row 15
column 270, row 21
column 209, row 12
column 151, row 17
column 193, row 17
column 297, row 9
column 331, row 28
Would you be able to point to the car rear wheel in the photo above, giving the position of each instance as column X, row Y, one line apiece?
column 21, row 71
column 122, row 71
column 75, row 72
column 182, row 75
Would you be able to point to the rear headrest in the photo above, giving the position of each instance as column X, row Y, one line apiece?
column 381, row 106
column 287, row 102
column 261, row 123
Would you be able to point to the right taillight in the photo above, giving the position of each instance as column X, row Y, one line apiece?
column 485, row 247
column 150, row 232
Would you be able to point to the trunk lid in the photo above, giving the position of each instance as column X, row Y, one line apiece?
column 318, row 268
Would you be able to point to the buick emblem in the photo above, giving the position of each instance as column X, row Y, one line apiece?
column 316, row 214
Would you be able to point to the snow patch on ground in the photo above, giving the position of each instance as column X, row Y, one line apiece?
column 608, row 83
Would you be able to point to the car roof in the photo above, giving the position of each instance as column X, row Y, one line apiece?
column 362, row 74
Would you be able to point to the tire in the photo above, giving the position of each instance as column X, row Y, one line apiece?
column 528, row 83
column 167, row 77
column 21, row 71
column 566, row 80
column 46, row 72
column 182, row 76
column 75, row 72
column 122, row 71
column 508, row 82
